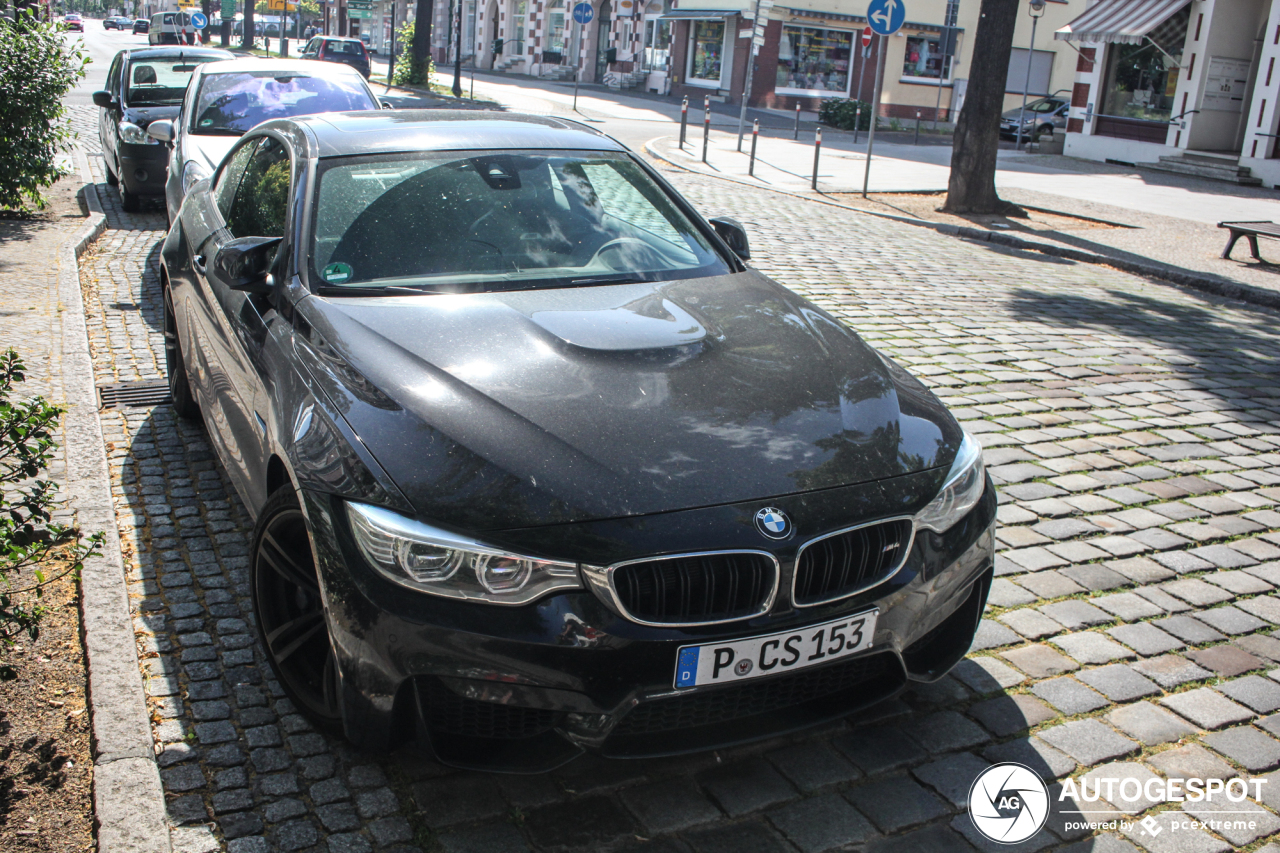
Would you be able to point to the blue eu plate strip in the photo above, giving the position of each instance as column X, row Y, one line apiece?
column 687, row 668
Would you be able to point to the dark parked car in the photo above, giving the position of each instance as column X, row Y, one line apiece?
column 116, row 22
column 142, row 25
column 538, row 464
column 142, row 86
column 1044, row 115
column 348, row 51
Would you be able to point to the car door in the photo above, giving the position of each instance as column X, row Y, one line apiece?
column 109, row 117
column 233, row 323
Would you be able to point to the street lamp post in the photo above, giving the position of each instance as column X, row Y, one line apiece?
column 1035, row 10
column 457, row 58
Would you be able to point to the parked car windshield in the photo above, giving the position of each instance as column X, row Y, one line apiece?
column 158, row 80
column 232, row 102
column 501, row 220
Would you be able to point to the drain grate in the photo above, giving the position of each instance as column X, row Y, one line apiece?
column 142, row 394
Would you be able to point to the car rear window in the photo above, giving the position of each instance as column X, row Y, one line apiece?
column 158, row 81
column 348, row 47
column 235, row 101
column 500, row 220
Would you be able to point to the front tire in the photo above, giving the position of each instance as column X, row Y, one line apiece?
column 290, row 613
column 129, row 201
column 112, row 178
column 176, row 365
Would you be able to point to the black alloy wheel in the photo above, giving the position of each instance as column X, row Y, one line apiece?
column 290, row 610
column 176, row 366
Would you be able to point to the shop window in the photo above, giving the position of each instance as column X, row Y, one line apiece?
column 1141, row 79
column 554, row 50
column 923, row 58
column 657, row 44
column 707, row 54
column 813, row 61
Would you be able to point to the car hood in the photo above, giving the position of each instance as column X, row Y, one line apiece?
column 208, row 151
column 505, row 410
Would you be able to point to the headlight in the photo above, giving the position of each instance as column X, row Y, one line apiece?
column 438, row 562
column 135, row 135
column 961, row 490
column 191, row 173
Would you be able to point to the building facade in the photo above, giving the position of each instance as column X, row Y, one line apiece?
column 1187, row 85
column 812, row 49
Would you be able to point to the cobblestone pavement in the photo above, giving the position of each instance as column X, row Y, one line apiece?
column 1134, row 435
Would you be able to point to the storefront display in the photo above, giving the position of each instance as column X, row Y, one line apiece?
column 708, row 51
column 814, row 61
column 923, row 58
column 1141, row 79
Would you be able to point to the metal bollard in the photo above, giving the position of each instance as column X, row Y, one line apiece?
column 706, row 127
column 817, row 149
column 473, row 82
column 755, row 134
column 917, row 142
column 684, row 120
column 857, row 122
column 796, row 135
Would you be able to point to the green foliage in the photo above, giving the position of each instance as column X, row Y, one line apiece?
column 842, row 113
column 29, row 538
column 37, row 67
column 409, row 73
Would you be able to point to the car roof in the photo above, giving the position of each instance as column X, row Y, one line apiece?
column 390, row 131
column 176, row 52
column 301, row 67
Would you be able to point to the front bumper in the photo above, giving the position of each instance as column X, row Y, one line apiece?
column 143, row 168
column 523, row 689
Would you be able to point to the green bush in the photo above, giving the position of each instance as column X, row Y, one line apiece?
column 30, row 541
column 842, row 113
column 37, row 67
column 406, row 74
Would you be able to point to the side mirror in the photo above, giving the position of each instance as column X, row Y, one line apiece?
column 387, row 105
column 161, row 129
column 102, row 99
column 244, row 264
column 732, row 232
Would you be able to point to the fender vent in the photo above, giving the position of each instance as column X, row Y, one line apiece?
column 142, row 394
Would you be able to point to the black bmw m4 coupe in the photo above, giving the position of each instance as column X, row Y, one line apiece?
column 539, row 465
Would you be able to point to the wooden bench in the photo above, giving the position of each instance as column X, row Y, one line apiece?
column 1250, row 231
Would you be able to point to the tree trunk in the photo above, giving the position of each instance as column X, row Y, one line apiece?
column 972, row 186
column 420, row 71
column 246, row 40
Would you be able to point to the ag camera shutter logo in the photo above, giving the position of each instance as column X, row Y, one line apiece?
column 1008, row 803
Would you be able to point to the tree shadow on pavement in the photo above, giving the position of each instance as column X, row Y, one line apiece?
column 1241, row 340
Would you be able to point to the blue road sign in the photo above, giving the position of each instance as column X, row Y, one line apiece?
column 583, row 13
column 199, row 21
column 886, row 16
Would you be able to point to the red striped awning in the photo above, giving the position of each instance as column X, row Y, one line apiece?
column 1120, row 21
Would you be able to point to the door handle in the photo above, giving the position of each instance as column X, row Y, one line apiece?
column 198, row 263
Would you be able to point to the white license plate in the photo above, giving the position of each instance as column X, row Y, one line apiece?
column 738, row 660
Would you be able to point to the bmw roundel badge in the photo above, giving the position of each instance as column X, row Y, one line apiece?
column 773, row 523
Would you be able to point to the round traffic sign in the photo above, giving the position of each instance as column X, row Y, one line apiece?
column 886, row 16
column 866, row 36
column 583, row 13
column 199, row 21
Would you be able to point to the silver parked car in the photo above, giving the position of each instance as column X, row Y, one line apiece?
column 1044, row 115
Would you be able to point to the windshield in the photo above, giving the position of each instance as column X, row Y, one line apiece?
column 500, row 221
column 233, row 102
column 158, row 80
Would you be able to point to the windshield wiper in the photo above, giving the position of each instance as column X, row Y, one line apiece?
column 389, row 290
column 620, row 278
column 217, row 131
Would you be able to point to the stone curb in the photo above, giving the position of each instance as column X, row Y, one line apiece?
column 1173, row 275
column 128, row 800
